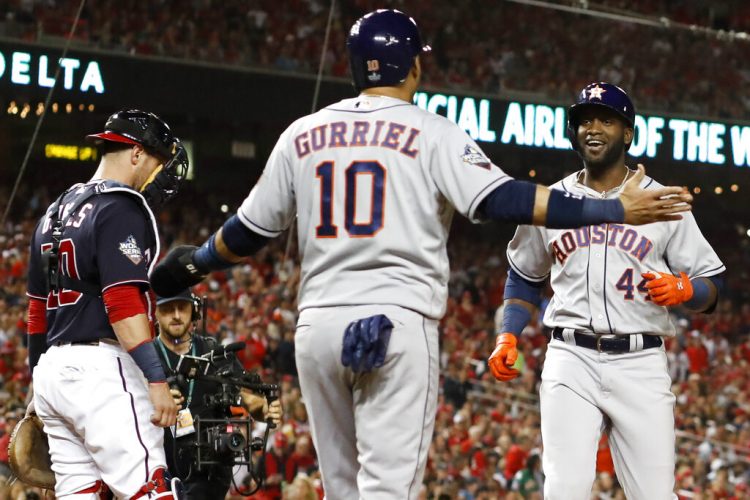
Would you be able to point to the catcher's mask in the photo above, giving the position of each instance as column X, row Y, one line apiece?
column 148, row 130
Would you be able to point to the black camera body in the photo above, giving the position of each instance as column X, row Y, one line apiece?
column 225, row 440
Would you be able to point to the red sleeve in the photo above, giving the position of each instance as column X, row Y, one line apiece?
column 37, row 312
column 124, row 301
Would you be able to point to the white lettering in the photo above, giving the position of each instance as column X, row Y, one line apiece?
column 561, row 129
column 655, row 124
column 44, row 79
column 678, row 127
column 740, row 145
column 2, row 64
column 69, row 65
column 19, row 70
column 452, row 105
column 420, row 99
column 513, row 126
column 467, row 120
column 697, row 141
column 486, row 134
column 716, row 143
column 640, row 138
column 436, row 102
column 528, row 125
column 543, row 125
column 92, row 78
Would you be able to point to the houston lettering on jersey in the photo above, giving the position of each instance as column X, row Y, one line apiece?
column 389, row 135
column 623, row 238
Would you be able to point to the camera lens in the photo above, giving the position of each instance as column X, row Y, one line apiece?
column 236, row 441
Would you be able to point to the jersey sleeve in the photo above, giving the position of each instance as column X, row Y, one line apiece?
column 527, row 254
column 36, row 286
column 688, row 251
column 269, row 208
column 461, row 170
column 123, row 240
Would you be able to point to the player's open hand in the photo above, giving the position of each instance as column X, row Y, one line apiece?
column 504, row 357
column 165, row 409
column 668, row 290
column 653, row 205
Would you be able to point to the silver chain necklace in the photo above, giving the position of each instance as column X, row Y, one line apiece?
column 604, row 194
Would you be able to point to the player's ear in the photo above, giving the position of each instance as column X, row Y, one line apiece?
column 416, row 69
column 135, row 153
column 628, row 136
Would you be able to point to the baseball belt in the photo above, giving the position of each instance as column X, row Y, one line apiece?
column 616, row 344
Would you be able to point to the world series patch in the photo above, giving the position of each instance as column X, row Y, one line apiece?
column 474, row 157
column 131, row 250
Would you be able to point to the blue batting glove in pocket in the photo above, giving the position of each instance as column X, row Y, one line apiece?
column 366, row 343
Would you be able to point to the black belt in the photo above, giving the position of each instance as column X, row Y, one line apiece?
column 620, row 343
column 87, row 342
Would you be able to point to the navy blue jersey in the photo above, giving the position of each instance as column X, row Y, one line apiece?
column 109, row 239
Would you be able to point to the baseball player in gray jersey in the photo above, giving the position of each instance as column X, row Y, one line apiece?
column 606, row 368
column 374, row 182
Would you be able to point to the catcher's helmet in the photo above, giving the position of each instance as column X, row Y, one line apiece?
column 382, row 46
column 600, row 94
column 133, row 126
column 138, row 127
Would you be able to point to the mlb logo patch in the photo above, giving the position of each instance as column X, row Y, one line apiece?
column 131, row 250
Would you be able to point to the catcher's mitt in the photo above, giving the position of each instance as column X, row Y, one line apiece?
column 28, row 454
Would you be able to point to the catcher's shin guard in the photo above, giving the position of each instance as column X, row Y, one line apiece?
column 161, row 486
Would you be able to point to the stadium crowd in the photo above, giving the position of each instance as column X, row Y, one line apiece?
column 476, row 48
column 487, row 439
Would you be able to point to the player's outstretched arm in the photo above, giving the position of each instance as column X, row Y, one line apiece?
column 526, row 203
column 187, row 265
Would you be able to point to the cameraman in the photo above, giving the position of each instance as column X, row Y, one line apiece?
column 176, row 318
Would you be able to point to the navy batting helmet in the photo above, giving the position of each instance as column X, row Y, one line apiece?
column 133, row 126
column 382, row 46
column 600, row 94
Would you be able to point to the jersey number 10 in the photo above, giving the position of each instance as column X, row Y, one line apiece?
column 324, row 172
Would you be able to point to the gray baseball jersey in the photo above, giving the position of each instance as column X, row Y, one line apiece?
column 596, row 270
column 374, row 181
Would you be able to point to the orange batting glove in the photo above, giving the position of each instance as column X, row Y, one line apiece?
column 504, row 357
column 668, row 290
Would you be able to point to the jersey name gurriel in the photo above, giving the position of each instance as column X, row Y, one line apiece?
column 625, row 239
column 340, row 134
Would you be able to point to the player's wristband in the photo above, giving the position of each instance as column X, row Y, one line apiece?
column 518, row 288
column 701, row 294
column 240, row 239
column 207, row 258
column 515, row 318
column 566, row 211
column 147, row 359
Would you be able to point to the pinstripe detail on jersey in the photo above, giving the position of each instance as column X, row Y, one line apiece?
column 524, row 275
column 484, row 192
column 363, row 111
column 135, row 418
column 257, row 228
column 424, row 411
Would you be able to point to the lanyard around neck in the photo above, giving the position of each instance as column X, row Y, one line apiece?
column 191, row 386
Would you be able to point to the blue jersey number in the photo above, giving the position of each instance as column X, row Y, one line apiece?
column 326, row 228
column 625, row 284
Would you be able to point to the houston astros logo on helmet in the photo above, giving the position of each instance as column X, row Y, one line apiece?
column 596, row 92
